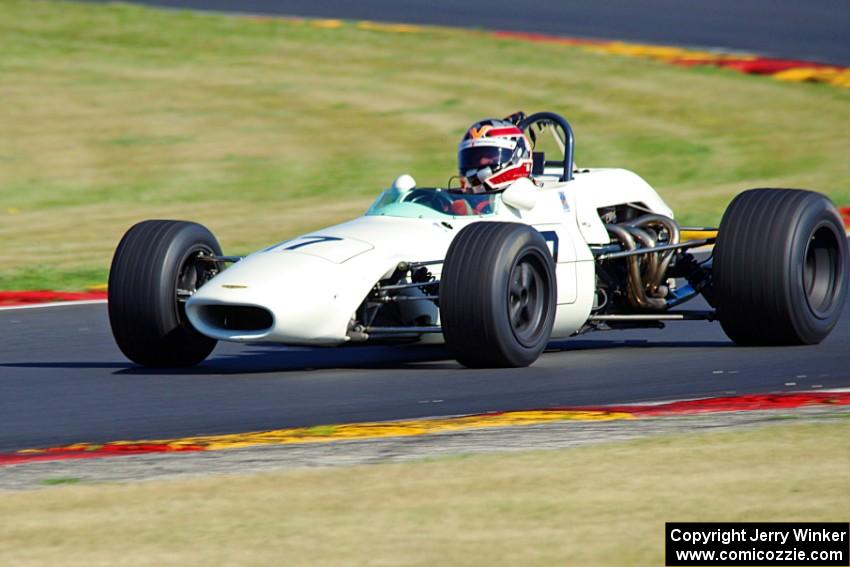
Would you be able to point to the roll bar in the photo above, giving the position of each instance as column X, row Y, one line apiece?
column 549, row 118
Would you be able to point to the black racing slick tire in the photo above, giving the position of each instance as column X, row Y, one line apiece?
column 155, row 267
column 780, row 268
column 497, row 295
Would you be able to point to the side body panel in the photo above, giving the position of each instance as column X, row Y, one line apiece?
column 607, row 187
column 581, row 226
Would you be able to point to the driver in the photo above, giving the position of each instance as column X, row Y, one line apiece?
column 492, row 154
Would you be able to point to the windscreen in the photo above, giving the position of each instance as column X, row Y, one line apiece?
column 432, row 203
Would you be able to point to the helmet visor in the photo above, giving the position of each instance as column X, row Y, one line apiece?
column 474, row 158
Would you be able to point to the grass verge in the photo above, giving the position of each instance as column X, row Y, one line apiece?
column 599, row 505
column 264, row 128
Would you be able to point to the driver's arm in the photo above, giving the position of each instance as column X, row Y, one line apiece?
column 460, row 207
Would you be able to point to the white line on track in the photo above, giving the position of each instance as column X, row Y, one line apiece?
column 53, row 304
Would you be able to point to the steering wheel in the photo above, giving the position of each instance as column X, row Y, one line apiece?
column 431, row 198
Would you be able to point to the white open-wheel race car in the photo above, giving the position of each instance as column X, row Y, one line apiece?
column 496, row 275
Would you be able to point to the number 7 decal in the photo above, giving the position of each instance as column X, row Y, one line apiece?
column 311, row 240
column 550, row 236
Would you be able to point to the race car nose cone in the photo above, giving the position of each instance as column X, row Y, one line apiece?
column 280, row 297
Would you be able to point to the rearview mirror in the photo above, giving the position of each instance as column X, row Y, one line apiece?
column 522, row 194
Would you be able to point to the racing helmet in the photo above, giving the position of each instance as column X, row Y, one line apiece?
column 493, row 154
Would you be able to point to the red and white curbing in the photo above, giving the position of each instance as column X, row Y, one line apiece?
column 48, row 298
column 845, row 215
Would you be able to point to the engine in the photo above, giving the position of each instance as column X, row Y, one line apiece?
column 645, row 282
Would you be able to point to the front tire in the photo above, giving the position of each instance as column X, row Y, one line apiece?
column 155, row 267
column 780, row 267
column 497, row 295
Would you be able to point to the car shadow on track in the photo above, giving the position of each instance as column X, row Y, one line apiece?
column 565, row 345
column 258, row 359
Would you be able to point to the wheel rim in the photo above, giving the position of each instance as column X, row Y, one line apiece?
column 527, row 300
column 193, row 273
column 821, row 270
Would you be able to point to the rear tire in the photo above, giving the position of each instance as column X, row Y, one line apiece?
column 153, row 260
column 497, row 295
column 780, row 267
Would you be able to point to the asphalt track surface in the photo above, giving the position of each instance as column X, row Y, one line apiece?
column 817, row 30
column 63, row 380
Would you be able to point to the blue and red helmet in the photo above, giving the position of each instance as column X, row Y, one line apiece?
column 493, row 154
